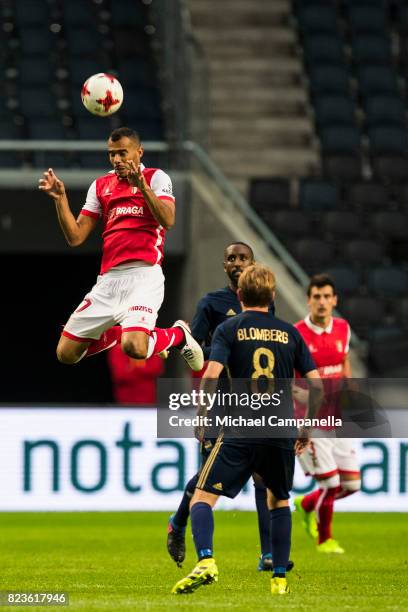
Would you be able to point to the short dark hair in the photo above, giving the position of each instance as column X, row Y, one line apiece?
column 124, row 132
column 242, row 244
column 319, row 281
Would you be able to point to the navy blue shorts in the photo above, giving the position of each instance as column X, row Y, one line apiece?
column 231, row 464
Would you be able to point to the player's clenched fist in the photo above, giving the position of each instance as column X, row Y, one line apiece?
column 51, row 184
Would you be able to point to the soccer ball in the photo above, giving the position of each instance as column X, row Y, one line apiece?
column 102, row 94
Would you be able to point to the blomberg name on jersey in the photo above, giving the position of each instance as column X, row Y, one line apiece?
column 126, row 210
column 267, row 335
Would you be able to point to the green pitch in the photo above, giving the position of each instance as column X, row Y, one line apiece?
column 118, row 561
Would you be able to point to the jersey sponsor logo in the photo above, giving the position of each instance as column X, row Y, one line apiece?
column 135, row 211
column 141, row 309
column 230, row 313
column 86, row 303
column 266, row 335
column 331, row 369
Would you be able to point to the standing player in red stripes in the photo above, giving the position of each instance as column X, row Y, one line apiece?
column 331, row 461
column 137, row 206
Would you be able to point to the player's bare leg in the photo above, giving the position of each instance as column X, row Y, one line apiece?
column 70, row 351
column 350, row 483
column 135, row 344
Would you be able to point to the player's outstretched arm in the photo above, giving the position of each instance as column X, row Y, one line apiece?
column 76, row 231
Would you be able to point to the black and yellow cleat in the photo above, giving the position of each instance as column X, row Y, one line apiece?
column 279, row 586
column 205, row 572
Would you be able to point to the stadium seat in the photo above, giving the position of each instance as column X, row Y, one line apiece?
column 390, row 169
column 319, row 18
column 269, row 193
column 34, row 71
column 312, row 254
column 82, row 68
column 36, row 41
column 367, row 19
column 340, row 167
column 287, row 223
column 55, row 159
column 364, row 252
column 388, row 281
column 323, row 49
column 390, row 140
column 46, row 129
column 95, row 160
column 343, row 139
column 401, row 196
column 136, row 71
column 37, row 102
column 32, row 13
column 363, row 312
column 382, row 110
column 333, row 79
column 388, row 350
column 128, row 12
column 78, row 13
column 368, row 195
column 317, row 195
column 336, row 110
column 9, row 130
column 372, row 50
column 141, row 105
column 346, row 279
column 131, row 42
column 400, row 310
column 84, row 41
column 378, row 80
column 403, row 50
column 390, row 224
column 341, row 223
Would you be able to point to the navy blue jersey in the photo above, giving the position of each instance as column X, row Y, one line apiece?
column 212, row 310
column 258, row 341
column 257, row 344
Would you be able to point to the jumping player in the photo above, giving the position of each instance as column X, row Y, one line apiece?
column 137, row 206
column 212, row 310
column 233, row 460
column 332, row 461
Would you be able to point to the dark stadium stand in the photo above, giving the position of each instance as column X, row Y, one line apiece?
column 48, row 49
column 353, row 220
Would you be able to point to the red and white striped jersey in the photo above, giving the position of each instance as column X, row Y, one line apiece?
column 130, row 232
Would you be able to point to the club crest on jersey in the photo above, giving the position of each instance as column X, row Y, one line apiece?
column 339, row 346
column 134, row 190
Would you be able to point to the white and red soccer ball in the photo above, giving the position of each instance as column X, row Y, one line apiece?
column 102, row 94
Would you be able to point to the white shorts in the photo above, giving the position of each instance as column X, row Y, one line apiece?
column 130, row 296
column 326, row 457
